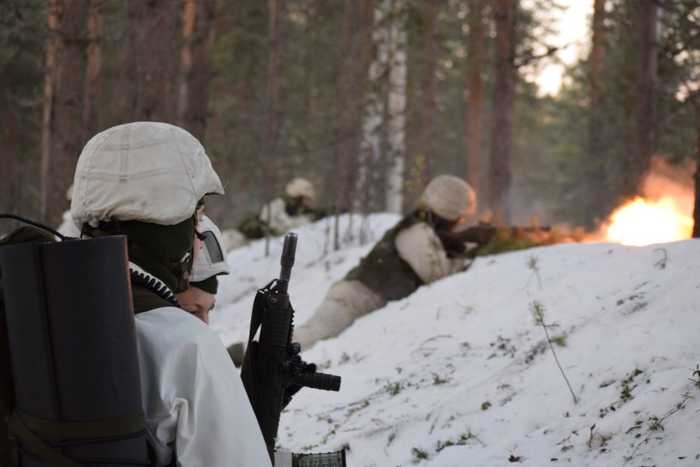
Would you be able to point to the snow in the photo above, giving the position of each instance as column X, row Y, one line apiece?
column 459, row 373
column 316, row 268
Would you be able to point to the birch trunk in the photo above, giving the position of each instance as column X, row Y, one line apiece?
column 383, row 144
column 371, row 128
column 396, row 106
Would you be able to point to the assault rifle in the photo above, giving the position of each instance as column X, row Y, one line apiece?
column 272, row 369
column 483, row 234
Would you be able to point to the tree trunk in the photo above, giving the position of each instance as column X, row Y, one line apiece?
column 359, row 27
column 64, row 91
column 9, row 188
column 502, row 115
column 94, row 67
column 271, row 133
column 273, row 74
column 272, row 117
column 383, row 148
column 53, row 43
column 396, row 106
column 424, row 148
column 475, row 93
column 189, row 16
column 598, row 196
column 151, row 60
column 198, row 34
column 696, row 211
column 646, row 111
column 338, row 176
column 373, row 122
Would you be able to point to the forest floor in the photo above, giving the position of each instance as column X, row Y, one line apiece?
column 461, row 373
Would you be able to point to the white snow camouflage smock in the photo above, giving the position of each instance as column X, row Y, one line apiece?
column 195, row 404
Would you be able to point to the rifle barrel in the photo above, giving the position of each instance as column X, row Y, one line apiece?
column 289, row 251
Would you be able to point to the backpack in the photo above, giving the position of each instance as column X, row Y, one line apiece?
column 69, row 329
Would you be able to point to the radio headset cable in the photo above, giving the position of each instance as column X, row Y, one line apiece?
column 34, row 224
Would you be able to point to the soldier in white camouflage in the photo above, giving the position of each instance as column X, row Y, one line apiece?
column 295, row 208
column 409, row 255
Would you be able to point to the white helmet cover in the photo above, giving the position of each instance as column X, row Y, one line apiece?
column 300, row 187
column 210, row 260
column 144, row 171
column 449, row 197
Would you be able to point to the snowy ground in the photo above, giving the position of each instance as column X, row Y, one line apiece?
column 460, row 374
column 315, row 269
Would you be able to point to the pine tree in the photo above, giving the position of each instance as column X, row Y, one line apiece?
column 475, row 92
column 198, row 34
column 64, row 92
column 505, row 12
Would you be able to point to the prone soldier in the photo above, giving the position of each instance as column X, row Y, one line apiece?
column 295, row 208
column 409, row 255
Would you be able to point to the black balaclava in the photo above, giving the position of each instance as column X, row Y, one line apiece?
column 162, row 250
column 210, row 285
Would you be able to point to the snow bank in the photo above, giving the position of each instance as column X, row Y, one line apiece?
column 460, row 374
column 316, row 268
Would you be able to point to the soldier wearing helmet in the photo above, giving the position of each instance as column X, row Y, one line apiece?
column 296, row 208
column 409, row 255
column 209, row 263
column 146, row 180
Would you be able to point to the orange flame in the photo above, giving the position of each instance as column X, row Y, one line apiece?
column 663, row 213
column 644, row 222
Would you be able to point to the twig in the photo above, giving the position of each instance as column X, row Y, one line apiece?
column 327, row 241
column 556, row 359
column 680, row 406
column 589, row 443
column 533, row 265
column 336, row 229
column 661, row 264
column 538, row 313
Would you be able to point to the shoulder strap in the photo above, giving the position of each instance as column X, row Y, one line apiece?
column 31, row 432
column 36, row 445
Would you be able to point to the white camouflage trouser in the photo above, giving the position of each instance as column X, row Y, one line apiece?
column 344, row 303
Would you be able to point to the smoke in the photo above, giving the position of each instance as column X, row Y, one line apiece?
column 664, row 180
column 661, row 212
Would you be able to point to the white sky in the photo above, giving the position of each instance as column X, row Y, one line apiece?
column 573, row 27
